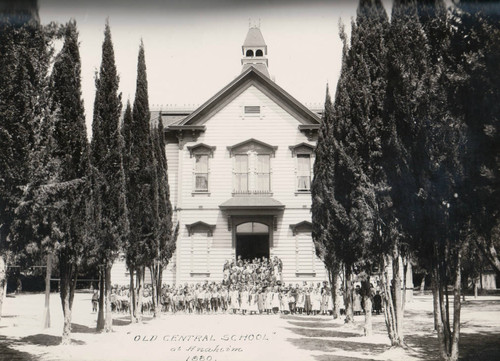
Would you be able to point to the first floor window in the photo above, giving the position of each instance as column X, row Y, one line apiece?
column 201, row 173
column 303, row 172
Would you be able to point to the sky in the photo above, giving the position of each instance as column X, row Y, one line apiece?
column 193, row 47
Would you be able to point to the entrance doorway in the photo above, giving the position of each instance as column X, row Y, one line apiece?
column 252, row 240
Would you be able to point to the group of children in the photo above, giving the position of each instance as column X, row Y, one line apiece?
column 247, row 299
column 259, row 271
column 247, row 287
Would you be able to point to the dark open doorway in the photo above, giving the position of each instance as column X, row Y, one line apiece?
column 252, row 246
column 252, row 240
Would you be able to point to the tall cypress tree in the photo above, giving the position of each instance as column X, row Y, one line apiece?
column 324, row 232
column 477, row 49
column 367, row 56
column 24, row 64
column 107, row 161
column 450, row 188
column 403, row 137
column 141, row 187
column 166, row 236
column 72, row 153
column 334, row 186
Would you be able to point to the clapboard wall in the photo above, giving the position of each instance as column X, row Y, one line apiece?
column 200, row 256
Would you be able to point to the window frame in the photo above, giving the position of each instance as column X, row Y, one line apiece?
column 253, row 148
column 299, row 150
column 196, row 151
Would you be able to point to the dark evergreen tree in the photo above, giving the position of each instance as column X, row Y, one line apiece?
column 402, row 138
column 72, row 155
column 367, row 56
column 24, row 62
column 166, row 236
column 324, row 232
column 334, row 185
column 107, row 160
column 476, row 46
column 141, row 187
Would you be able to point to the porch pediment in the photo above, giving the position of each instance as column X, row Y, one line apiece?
column 252, row 206
column 252, row 145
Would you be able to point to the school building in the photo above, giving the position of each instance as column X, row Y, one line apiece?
column 240, row 171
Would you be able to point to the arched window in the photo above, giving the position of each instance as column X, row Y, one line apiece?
column 259, row 53
column 252, row 227
column 249, row 53
column 252, row 166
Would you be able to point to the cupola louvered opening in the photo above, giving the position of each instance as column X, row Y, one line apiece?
column 252, row 109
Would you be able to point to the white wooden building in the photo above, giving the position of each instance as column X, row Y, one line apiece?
column 240, row 171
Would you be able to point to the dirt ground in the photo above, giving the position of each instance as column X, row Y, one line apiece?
column 235, row 337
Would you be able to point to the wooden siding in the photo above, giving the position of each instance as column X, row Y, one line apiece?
column 199, row 257
column 228, row 127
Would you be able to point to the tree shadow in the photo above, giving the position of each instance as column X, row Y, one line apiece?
column 316, row 324
column 484, row 346
column 9, row 354
column 475, row 303
column 121, row 321
column 76, row 328
column 47, row 340
column 305, row 318
column 308, row 332
column 312, row 344
column 340, row 358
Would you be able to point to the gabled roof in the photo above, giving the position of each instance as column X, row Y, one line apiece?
column 250, row 77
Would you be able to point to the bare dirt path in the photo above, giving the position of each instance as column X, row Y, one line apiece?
column 235, row 337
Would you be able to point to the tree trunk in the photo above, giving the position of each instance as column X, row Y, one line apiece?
column 456, row 312
column 159, row 288
column 422, row 286
column 155, row 288
column 476, row 281
column 489, row 251
column 398, row 300
column 3, row 280
column 389, row 303
column 409, row 282
column 100, row 311
column 138, row 296
column 66, row 337
column 449, row 338
column 68, row 274
column 132, row 298
column 367, row 298
column 108, row 321
column 334, row 280
column 48, row 273
column 435, row 301
column 404, row 263
column 348, row 295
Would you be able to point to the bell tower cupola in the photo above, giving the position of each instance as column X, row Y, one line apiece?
column 254, row 51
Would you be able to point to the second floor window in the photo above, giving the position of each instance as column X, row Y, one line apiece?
column 201, row 153
column 252, row 167
column 241, row 173
column 263, row 174
column 252, row 173
column 201, row 173
column 303, row 172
